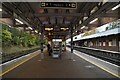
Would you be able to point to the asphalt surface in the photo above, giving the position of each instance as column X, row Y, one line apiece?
column 57, row 68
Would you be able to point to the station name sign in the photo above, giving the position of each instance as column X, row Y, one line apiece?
column 69, row 5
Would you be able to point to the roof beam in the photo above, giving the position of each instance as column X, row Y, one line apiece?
column 15, row 10
column 61, row 33
column 6, row 16
column 105, row 7
column 114, row 15
column 85, row 11
column 57, row 14
column 21, row 25
column 50, row 25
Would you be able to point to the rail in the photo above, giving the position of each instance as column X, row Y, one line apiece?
column 110, row 56
column 12, row 56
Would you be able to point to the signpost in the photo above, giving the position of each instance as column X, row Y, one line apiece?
column 68, row 5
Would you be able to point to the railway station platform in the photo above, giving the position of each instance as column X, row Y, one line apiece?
column 87, row 31
column 33, row 66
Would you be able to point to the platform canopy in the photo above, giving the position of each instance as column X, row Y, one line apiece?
column 58, row 17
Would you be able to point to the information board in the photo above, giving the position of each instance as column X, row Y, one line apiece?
column 69, row 5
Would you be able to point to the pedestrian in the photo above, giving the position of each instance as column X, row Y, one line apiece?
column 49, row 49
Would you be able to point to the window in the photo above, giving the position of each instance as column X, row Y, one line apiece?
column 114, row 42
column 119, row 43
column 75, row 37
column 97, row 43
column 100, row 43
column 104, row 44
column 91, row 43
column 110, row 43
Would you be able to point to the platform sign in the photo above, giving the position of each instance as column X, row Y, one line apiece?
column 68, row 5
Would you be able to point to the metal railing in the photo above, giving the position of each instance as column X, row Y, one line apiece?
column 110, row 56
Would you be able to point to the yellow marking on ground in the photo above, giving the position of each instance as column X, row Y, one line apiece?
column 100, row 66
column 18, row 65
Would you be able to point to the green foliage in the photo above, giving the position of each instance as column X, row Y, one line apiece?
column 37, row 40
column 17, row 43
column 6, row 37
column 31, row 40
column 16, row 40
column 114, row 24
column 15, row 37
column 19, row 38
column 45, row 41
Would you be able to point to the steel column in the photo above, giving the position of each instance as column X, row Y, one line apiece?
column 71, row 35
column 42, row 42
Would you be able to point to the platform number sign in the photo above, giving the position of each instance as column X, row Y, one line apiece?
column 68, row 5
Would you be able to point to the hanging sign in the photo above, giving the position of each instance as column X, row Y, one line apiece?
column 69, row 5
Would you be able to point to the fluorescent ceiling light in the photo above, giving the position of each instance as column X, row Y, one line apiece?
column 19, row 21
column 82, row 27
column 93, row 20
column 85, row 18
column 9, row 26
column 0, row 9
column 36, row 31
column 30, row 28
column 48, row 29
column 94, row 9
column 80, row 22
column 64, row 28
column 114, row 8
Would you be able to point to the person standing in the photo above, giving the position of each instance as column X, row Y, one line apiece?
column 49, row 49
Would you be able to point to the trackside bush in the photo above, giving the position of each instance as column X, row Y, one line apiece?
column 15, row 37
column 6, row 37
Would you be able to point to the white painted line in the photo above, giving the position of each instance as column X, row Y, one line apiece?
column 14, row 60
column 104, row 65
column 99, row 66
column 98, row 59
column 75, row 51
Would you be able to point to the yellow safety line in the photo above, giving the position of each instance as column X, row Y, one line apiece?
column 100, row 67
column 18, row 65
